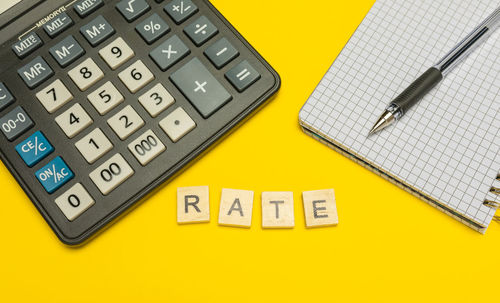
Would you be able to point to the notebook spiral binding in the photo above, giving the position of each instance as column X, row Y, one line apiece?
column 494, row 204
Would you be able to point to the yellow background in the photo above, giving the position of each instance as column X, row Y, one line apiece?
column 388, row 245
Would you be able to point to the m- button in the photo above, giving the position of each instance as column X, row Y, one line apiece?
column 200, row 87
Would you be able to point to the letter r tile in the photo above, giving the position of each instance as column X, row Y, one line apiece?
column 193, row 204
column 320, row 208
column 236, row 208
column 277, row 210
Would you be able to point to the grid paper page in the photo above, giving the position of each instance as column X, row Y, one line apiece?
column 447, row 146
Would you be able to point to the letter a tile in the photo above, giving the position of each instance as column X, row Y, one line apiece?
column 320, row 208
column 236, row 207
column 277, row 210
column 193, row 204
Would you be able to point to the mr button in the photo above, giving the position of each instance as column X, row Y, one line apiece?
column 54, row 175
column 35, row 72
column 34, row 149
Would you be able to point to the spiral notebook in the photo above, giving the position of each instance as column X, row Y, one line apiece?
column 445, row 150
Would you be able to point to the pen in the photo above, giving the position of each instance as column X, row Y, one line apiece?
column 410, row 96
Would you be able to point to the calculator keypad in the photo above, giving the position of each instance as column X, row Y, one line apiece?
column 126, row 122
column 97, row 31
column 113, row 96
column 111, row 174
column 146, row 147
column 74, row 202
column 54, row 96
column 177, row 124
column 105, row 98
column 86, row 74
column 15, row 123
column 156, row 100
column 67, row 51
column 136, row 76
column 35, row 72
column 116, row 53
column 94, row 145
column 74, row 120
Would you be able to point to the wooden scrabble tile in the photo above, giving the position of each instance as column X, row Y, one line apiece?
column 320, row 208
column 193, row 204
column 277, row 210
column 236, row 207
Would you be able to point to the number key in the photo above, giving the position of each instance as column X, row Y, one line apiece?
column 136, row 76
column 86, row 74
column 126, row 122
column 111, row 174
column 94, row 145
column 74, row 202
column 54, row 96
column 116, row 53
column 146, row 147
column 105, row 98
column 156, row 100
column 74, row 120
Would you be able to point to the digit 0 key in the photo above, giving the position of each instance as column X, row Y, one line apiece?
column 109, row 99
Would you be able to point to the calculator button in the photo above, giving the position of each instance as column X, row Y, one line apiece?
column 111, row 174
column 201, row 30
column 125, row 122
column 74, row 202
column 242, row 76
column 169, row 53
column 6, row 98
column 54, row 96
column 116, row 53
column 34, row 149
column 86, row 74
column 74, row 120
column 66, row 51
column 35, row 72
column 94, row 145
column 200, row 87
column 132, row 9
column 180, row 10
column 54, row 175
column 27, row 45
column 57, row 25
column 221, row 53
column 97, row 31
column 156, row 100
column 177, row 124
column 136, row 76
column 152, row 28
column 146, row 148
column 105, row 98
column 15, row 123
column 86, row 7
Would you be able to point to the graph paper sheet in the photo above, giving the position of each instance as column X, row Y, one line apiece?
column 447, row 146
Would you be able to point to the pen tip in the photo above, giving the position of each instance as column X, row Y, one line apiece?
column 386, row 119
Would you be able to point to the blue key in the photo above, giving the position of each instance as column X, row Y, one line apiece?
column 54, row 175
column 34, row 149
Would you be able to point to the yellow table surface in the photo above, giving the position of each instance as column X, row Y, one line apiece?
column 388, row 245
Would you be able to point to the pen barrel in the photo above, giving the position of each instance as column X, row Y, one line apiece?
column 418, row 89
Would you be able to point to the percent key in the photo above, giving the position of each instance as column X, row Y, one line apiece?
column 152, row 28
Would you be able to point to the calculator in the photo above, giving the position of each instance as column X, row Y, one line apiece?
column 102, row 101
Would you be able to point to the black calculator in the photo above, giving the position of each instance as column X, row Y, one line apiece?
column 103, row 101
